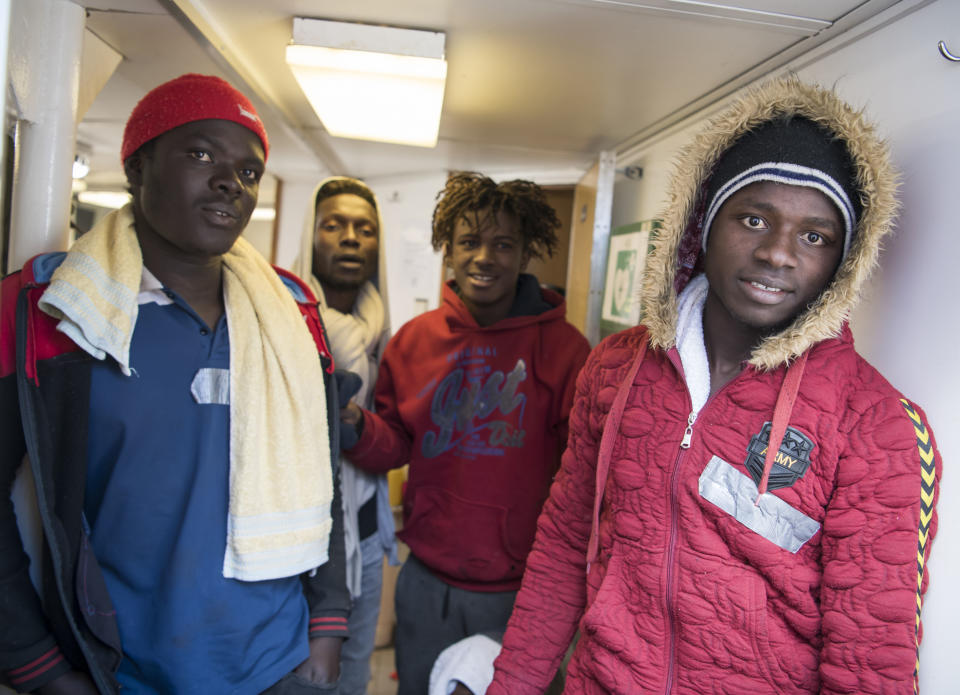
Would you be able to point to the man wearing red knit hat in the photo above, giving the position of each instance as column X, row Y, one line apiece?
column 166, row 386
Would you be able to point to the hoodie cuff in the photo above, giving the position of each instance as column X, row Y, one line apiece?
column 333, row 624
column 39, row 671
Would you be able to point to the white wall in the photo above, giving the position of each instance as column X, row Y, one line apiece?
column 413, row 269
column 642, row 199
column 294, row 213
column 908, row 328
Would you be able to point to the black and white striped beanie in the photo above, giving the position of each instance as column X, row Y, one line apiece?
column 793, row 151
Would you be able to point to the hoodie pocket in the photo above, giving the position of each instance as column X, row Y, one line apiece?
column 779, row 659
column 788, row 660
column 609, row 627
column 464, row 539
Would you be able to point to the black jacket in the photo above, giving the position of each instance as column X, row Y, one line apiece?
column 44, row 400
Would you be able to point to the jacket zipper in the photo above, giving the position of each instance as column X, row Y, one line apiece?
column 675, row 512
column 672, row 547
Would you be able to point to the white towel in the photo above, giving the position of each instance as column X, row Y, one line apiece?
column 280, row 481
column 469, row 661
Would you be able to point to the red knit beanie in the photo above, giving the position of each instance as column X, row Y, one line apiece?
column 186, row 99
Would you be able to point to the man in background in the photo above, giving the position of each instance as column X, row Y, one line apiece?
column 343, row 266
column 475, row 395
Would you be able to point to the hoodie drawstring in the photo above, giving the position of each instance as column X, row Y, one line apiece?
column 607, row 440
column 781, row 416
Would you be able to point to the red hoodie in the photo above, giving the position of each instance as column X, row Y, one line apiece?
column 480, row 413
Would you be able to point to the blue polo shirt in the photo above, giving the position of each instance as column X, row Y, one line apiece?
column 156, row 504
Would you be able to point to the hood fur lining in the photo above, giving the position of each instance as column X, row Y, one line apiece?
column 876, row 180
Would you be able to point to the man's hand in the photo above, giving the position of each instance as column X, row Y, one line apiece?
column 351, row 414
column 461, row 689
column 351, row 417
column 323, row 665
column 72, row 683
column 351, row 425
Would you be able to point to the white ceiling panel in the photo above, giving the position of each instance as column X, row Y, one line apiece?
column 533, row 85
column 830, row 10
column 796, row 14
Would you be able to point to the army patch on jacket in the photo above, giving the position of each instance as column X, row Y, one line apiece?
column 790, row 463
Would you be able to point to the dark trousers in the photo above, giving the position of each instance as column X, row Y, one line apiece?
column 432, row 615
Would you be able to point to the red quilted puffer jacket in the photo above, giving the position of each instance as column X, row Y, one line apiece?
column 697, row 583
column 683, row 596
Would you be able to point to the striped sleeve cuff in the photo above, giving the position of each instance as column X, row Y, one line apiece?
column 39, row 672
column 328, row 626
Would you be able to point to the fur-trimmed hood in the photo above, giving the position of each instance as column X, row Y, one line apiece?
column 676, row 257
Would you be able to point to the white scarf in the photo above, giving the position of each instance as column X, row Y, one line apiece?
column 356, row 340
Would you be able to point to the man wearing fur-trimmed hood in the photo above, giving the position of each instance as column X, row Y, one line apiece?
column 742, row 495
column 340, row 259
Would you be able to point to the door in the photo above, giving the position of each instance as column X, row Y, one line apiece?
column 589, row 239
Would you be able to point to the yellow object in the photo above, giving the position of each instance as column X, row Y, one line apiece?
column 395, row 480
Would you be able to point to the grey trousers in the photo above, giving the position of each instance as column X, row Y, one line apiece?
column 356, row 651
column 292, row 684
column 432, row 615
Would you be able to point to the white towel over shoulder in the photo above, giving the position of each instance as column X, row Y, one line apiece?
column 280, row 481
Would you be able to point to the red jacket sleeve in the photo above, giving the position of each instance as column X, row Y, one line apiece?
column 385, row 442
column 553, row 593
column 579, row 349
column 878, row 528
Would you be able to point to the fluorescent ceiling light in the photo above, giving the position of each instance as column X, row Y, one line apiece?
column 263, row 214
column 369, row 82
column 81, row 166
column 104, row 199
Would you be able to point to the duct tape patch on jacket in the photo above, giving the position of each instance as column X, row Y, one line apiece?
column 789, row 465
column 769, row 516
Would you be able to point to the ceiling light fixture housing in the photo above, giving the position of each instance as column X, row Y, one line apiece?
column 371, row 82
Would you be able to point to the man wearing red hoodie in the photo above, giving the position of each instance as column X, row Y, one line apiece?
column 475, row 397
